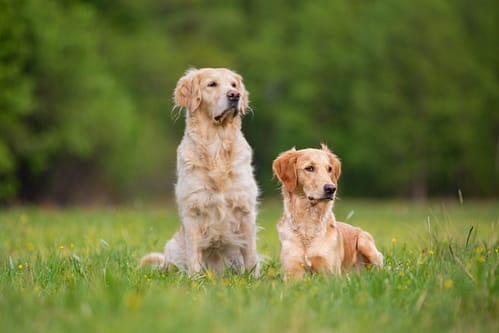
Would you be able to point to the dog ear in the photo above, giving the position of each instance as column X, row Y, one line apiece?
column 187, row 93
column 244, row 104
column 334, row 160
column 284, row 167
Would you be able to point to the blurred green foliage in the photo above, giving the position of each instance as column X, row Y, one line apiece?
column 405, row 93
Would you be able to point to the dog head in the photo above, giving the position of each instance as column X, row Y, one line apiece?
column 311, row 173
column 219, row 92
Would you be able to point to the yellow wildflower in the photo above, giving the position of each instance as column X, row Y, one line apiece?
column 401, row 273
column 448, row 283
column 394, row 240
column 481, row 259
column 20, row 266
column 430, row 252
column 210, row 276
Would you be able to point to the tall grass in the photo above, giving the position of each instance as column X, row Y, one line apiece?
column 76, row 270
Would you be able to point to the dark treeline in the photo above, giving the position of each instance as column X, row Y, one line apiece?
column 406, row 93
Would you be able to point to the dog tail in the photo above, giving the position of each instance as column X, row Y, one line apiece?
column 155, row 259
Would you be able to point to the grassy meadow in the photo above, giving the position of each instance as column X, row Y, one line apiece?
column 76, row 270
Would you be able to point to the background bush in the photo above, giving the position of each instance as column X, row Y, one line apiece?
column 406, row 94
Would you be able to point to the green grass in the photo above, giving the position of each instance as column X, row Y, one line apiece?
column 76, row 270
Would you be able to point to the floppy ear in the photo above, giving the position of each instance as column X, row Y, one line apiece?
column 284, row 167
column 334, row 160
column 187, row 93
column 244, row 96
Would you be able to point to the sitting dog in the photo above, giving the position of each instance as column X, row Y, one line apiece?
column 311, row 238
column 216, row 191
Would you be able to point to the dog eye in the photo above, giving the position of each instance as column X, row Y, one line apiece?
column 310, row 168
column 212, row 84
column 329, row 169
column 234, row 85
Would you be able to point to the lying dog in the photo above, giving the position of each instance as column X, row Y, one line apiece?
column 216, row 191
column 311, row 238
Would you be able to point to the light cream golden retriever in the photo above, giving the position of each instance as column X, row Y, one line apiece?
column 311, row 238
column 216, row 192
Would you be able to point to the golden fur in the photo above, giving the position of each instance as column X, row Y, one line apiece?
column 311, row 238
column 216, row 192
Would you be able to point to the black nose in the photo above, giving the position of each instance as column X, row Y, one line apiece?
column 329, row 189
column 233, row 95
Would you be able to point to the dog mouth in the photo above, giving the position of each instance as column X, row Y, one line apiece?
column 231, row 110
column 325, row 198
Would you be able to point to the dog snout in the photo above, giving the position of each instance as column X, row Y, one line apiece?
column 233, row 95
column 329, row 189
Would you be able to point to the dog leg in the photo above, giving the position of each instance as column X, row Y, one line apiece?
column 193, row 251
column 293, row 262
column 368, row 249
column 250, row 256
column 293, row 270
column 319, row 264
